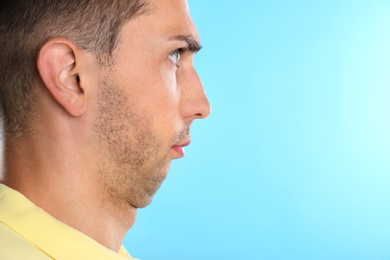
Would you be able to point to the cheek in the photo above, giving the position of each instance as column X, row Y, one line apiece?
column 160, row 94
column 154, row 91
column 170, row 73
column 154, row 84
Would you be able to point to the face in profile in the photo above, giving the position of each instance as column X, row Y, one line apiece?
column 147, row 101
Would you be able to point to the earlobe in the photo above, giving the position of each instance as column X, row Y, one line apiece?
column 57, row 66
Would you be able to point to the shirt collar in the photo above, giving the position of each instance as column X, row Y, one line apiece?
column 50, row 235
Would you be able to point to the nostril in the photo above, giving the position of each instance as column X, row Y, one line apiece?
column 204, row 111
column 199, row 114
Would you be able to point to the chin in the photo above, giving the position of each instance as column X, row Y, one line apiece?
column 149, row 186
column 144, row 203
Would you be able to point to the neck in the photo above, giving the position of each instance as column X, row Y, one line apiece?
column 66, row 185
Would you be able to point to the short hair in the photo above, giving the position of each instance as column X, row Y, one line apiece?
column 26, row 25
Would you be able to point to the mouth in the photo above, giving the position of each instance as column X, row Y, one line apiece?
column 179, row 149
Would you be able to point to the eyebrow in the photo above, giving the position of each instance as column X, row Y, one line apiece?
column 193, row 44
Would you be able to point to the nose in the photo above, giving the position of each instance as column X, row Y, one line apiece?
column 195, row 104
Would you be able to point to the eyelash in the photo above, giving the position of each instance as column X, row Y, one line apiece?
column 178, row 53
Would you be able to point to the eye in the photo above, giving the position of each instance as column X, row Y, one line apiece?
column 175, row 56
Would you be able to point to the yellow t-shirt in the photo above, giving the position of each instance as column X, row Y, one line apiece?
column 28, row 232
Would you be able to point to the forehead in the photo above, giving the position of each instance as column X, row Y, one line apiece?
column 165, row 18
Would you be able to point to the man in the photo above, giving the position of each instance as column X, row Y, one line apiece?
column 97, row 98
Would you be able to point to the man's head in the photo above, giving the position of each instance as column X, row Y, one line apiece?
column 108, row 85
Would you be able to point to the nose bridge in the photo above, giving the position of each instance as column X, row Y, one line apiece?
column 196, row 103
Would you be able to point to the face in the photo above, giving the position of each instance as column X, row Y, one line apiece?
column 147, row 102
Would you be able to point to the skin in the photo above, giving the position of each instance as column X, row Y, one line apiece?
column 104, row 137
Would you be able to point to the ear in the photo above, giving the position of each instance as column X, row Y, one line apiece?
column 58, row 67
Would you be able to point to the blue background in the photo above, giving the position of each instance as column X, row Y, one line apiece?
column 294, row 162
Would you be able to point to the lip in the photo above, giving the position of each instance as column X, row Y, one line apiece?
column 179, row 148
